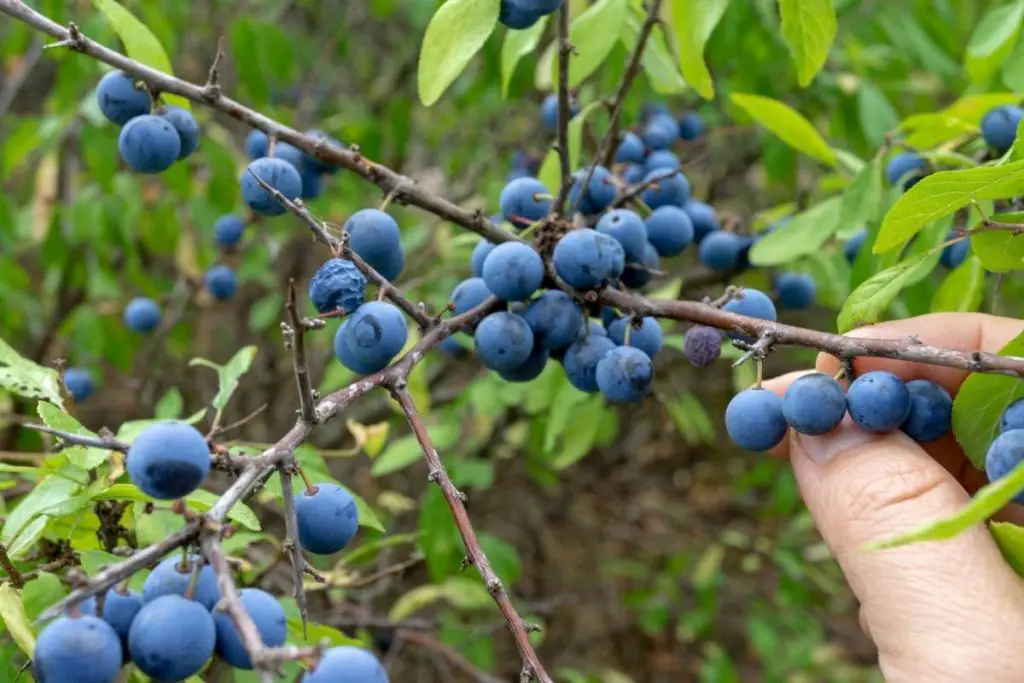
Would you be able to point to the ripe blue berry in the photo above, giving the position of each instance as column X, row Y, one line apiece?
column 673, row 190
column 171, row 654
column 600, row 192
column 277, row 173
column 290, row 153
column 702, row 345
column 450, row 346
column 480, row 251
column 312, row 182
column 172, row 577
column 554, row 318
column 795, row 290
column 854, row 245
column 652, row 109
column 720, row 251
column 585, row 258
column 878, row 401
column 999, row 127
column 316, row 165
column 581, row 359
column 185, row 124
column 662, row 160
column 149, row 144
column 754, row 420
column 624, row 374
column 119, row 99
column 469, row 294
column 337, row 285
column 955, row 254
column 256, row 144
column 347, row 664
column 503, row 341
column 814, row 404
column 516, row 14
column 375, row 333
column 703, row 217
column 908, row 167
column 142, row 315
column 268, row 616
column 1004, row 454
column 79, row 383
column 328, row 518
column 661, row 131
column 221, row 282
column 633, row 173
column 669, row 230
column 637, row 275
column 628, row 229
column 169, row 460
column 374, row 235
column 119, row 610
column 530, row 368
column 228, row 230
column 549, row 111
column 1013, row 416
column 513, row 271
column 691, row 126
column 524, row 201
column 630, row 149
column 751, row 303
column 77, row 649
column 931, row 411
column 648, row 337
column 347, row 357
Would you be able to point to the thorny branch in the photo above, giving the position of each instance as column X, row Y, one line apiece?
column 564, row 50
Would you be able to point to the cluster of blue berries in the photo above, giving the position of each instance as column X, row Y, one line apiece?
column 1007, row 450
column 285, row 168
column 520, row 14
column 220, row 280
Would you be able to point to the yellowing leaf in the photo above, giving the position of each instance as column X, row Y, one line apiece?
column 808, row 28
column 517, row 45
column 787, row 124
column 1010, row 539
column 455, row 34
column 692, row 22
column 12, row 612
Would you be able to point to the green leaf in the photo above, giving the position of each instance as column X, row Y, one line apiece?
column 139, row 42
column 550, row 171
column 22, row 377
column 198, row 499
column 405, row 451
column 871, row 299
column 943, row 193
column 23, row 525
column 693, row 21
column 456, row 33
column 593, row 34
column 517, row 45
column 579, row 436
column 992, row 40
column 79, row 456
column 170, row 405
column 1000, row 250
column 808, row 28
column 1013, row 67
column 12, row 612
column 804, row 234
column 1010, row 539
column 462, row 592
column 862, row 200
column 41, row 592
column 657, row 61
column 877, row 117
column 979, row 406
column 962, row 290
column 228, row 374
column 787, row 124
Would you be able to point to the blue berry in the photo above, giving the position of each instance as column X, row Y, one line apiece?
column 581, row 359
column 599, row 194
column 337, row 285
column 268, row 616
column 168, row 460
column 450, row 346
column 79, row 383
column 469, row 294
column 702, row 345
column 531, row 367
column 628, row 229
column 691, row 126
column 999, row 127
column 878, row 401
column 312, row 182
column 77, row 649
column 608, row 316
column 661, row 131
column 256, row 144
column 669, row 230
column 1004, row 454
column 347, row 357
column 290, row 153
column 908, row 167
column 795, row 290
column 955, row 254
column 172, row 577
column 513, row 271
column 720, row 251
column 347, row 664
column 931, row 411
column 168, row 653
column 652, row 109
column 228, row 230
column 554, row 318
column 585, row 258
column 221, row 282
column 630, row 149
column 516, row 14
column 703, row 217
column 374, row 235
column 142, row 314
column 751, row 303
column 277, row 173
column 624, row 374
column 854, row 245
column 149, row 144
column 119, row 100
column 374, row 334
column 754, row 420
column 662, row 160
column 328, row 518
column 1013, row 416
column 524, row 201
column 119, row 610
column 316, row 165
column 480, row 251
column 185, row 124
column 503, row 341
column 636, row 277
column 814, row 404
column 648, row 337
column 634, row 174
column 549, row 111
column 673, row 190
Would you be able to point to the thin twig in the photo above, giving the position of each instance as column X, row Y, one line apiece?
column 291, row 543
column 12, row 572
column 294, row 339
column 562, row 145
column 70, row 439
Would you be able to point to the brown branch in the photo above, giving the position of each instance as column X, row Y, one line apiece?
column 373, row 578
column 633, row 192
column 562, row 124
column 12, row 572
column 291, row 543
column 293, row 335
column 70, row 439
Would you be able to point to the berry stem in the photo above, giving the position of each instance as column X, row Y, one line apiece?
column 759, row 366
column 310, row 488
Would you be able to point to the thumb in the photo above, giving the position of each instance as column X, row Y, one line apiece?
column 926, row 605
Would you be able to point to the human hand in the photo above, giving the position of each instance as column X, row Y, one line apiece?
column 937, row 611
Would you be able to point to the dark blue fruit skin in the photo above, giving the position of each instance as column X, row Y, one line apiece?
column 955, row 254
column 814, row 404
column 662, row 160
column 581, row 359
column 720, row 251
column 931, row 411
column 669, row 230
column 328, row 518
column 450, row 346
column 691, row 126
column 634, row 173
column 702, row 345
column 347, row 357
column 673, row 190
column 795, row 290
column 854, row 245
column 635, row 278
column 616, row 255
column 347, row 664
column 480, row 252
column 503, row 341
column 647, row 338
column 751, row 303
column 277, row 173
column 119, row 610
column 185, row 124
column 628, row 229
column 268, row 616
column 661, row 131
column 878, row 402
column 316, row 165
column 513, row 271
column 549, row 111
column 149, row 144
column 1004, row 454
column 909, row 165
column 228, row 230
column 119, row 99
column 169, row 460
column 513, row 14
column 583, row 258
column 375, row 236
column 469, row 294
column 652, row 109
column 169, row 653
column 999, row 127
column 1013, row 416
column 79, row 383
column 76, row 649
column 703, row 217
column 600, row 193
column 630, row 149
column 337, row 285
column 221, row 282
column 312, row 182
column 754, row 420
column 256, row 144
column 290, row 153
column 142, row 315
column 624, row 375
column 524, row 201
column 554, row 318
column 531, row 367
column 171, row 577
column 608, row 316
column 376, row 332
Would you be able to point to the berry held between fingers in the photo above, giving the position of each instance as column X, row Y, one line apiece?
column 814, row 404
column 878, row 401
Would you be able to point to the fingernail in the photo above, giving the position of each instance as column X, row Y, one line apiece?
column 824, row 449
